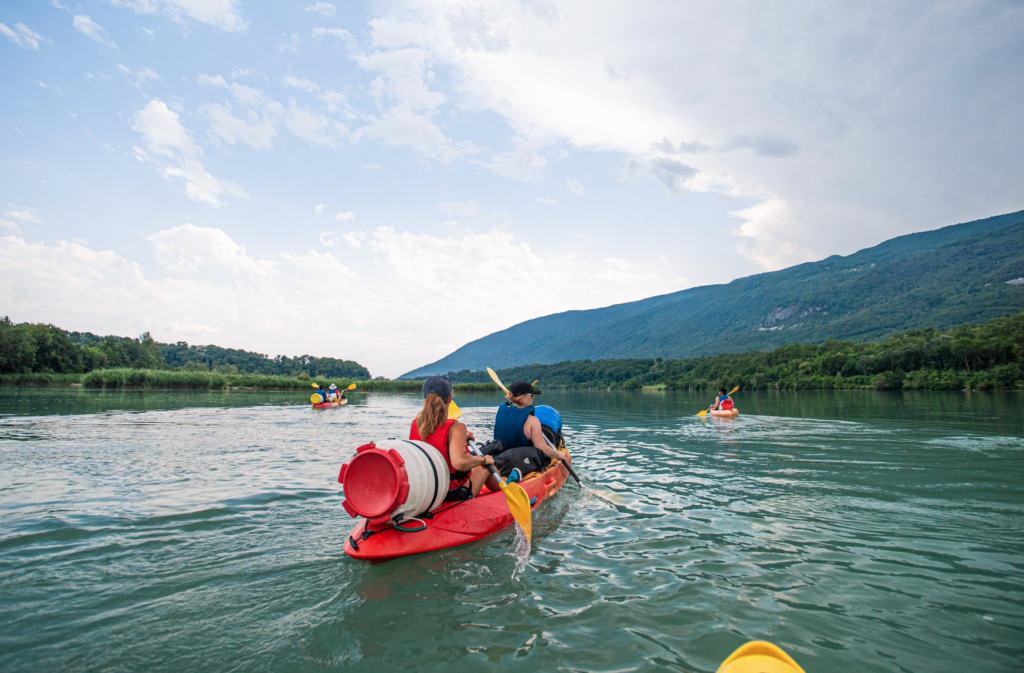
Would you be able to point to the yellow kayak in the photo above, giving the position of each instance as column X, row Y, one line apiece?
column 759, row 656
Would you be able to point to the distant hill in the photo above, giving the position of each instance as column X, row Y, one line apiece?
column 934, row 279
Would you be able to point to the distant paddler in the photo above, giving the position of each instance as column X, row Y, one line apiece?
column 723, row 405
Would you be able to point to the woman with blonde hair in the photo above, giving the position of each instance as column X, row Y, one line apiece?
column 467, row 473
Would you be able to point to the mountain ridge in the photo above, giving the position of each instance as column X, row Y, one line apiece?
column 937, row 278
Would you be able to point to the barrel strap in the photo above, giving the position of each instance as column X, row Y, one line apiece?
column 433, row 470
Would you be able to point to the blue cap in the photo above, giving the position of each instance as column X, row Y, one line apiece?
column 439, row 385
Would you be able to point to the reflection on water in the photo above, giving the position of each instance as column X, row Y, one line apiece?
column 184, row 531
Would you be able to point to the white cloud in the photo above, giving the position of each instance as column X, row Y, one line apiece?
column 339, row 33
column 848, row 101
column 21, row 35
column 313, row 127
column 546, row 201
column 220, row 13
column 301, row 83
column 769, row 225
column 461, row 208
column 620, row 271
column 207, row 288
column 140, row 77
column 188, row 248
column 576, row 187
column 291, row 45
column 346, row 217
column 354, row 238
column 255, row 131
column 171, row 147
column 523, row 163
column 24, row 214
column 321, row 207
column 95, row 32
column 326, row 9
column 10, row 226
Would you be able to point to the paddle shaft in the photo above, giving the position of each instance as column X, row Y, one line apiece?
column 476, row 452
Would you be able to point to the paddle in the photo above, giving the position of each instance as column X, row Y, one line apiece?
column 702, row 414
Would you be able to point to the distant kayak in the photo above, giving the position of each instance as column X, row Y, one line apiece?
column 327, row 405
column 452, row 524
column 731, row 413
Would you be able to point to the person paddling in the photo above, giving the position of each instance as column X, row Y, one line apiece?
column 520, row 434
column 467, row 473
column 723, row 402
column 334, row 395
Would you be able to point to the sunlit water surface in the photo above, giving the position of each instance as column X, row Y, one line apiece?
column 203, row 531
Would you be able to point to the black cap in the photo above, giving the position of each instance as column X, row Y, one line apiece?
column 523, row 388
column 439, row 385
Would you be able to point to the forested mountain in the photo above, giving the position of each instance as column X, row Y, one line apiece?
column 27, row 347
column 983, row 357
column 936, row 279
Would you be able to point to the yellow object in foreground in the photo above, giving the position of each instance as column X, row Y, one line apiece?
column 759, row 656
column 314, row 398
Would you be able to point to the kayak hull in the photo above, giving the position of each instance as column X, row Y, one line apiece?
column 329, row 405
column 452, row 524
column 732, row 413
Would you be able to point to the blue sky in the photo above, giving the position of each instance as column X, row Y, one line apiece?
column 387, row 181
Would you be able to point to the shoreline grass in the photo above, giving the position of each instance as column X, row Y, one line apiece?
column 156, row 379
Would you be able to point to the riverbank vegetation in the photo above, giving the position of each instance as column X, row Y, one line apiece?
column 28, row 349
column 162, row 379
column 983, row 357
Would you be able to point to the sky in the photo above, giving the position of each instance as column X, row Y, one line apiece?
column 386, row 181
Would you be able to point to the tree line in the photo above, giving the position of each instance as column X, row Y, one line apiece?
column 982, row 357
column 39, row 348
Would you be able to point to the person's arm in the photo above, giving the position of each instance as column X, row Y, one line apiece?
column 463, row 460
column 535, row 434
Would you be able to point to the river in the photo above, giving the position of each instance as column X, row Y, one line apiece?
column 203, row 531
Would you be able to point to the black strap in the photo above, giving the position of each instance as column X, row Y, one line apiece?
column 433, row 470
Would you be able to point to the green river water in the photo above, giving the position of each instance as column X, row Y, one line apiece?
column 203, row 532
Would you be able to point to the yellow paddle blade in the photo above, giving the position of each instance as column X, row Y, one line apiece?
column 351, row 387
column 519, row 505
column 313, row 384
column 453, row 410
column 494, row 377
column 315, row 399
column 734, row 390
column 534, row 382
column 702, row 414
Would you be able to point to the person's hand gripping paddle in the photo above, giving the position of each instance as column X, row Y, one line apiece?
column 517, row 499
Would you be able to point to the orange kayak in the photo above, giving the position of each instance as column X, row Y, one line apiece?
column 732, row 413
column 328, row 405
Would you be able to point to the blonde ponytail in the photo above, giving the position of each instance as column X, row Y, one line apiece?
column 432, row 416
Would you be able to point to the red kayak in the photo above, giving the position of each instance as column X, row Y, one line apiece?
column 328, row 405
column 451, row 524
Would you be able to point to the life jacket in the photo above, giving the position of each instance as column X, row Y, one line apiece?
column 509, row 424
column 726, row 404
column 439, row 440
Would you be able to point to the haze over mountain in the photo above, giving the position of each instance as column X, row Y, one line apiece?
column 942, row 278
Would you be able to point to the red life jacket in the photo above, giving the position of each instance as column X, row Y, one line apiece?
column 726, row 405
column 439, row 440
